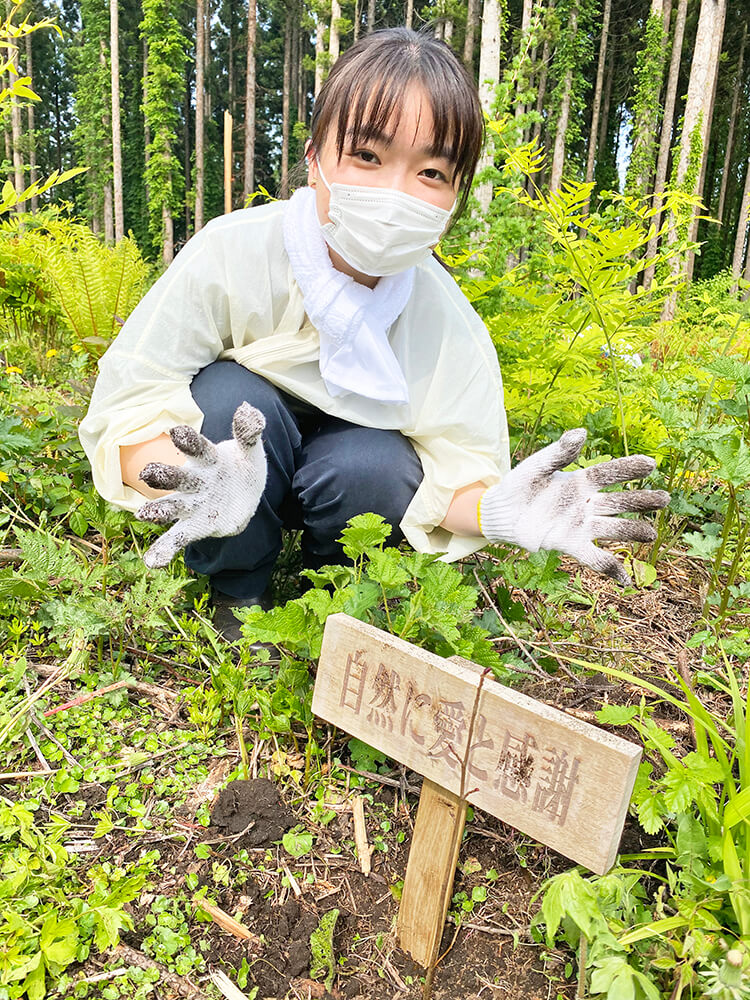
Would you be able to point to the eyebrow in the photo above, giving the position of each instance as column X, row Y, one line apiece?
column 371, row 133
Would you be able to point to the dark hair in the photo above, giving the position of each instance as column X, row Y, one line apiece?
column 366, row 87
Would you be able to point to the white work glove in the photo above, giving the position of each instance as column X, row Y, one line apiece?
column 537, row 506
column 216, row 491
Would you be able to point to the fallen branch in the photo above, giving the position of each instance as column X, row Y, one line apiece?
column 226, row 922
column 360, row 834
column 139, row 687
column 183, row 987
column 225, row 985
column 13, row 556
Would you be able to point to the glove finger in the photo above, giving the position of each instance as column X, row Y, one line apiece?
column 192, row 443
column 556, row 455
column 247, row 425
column 620, row 470
column 164, row 509
column 603, row 562
column 159, row 476
column 630, row 501
column 620, row 530
column 166, row 547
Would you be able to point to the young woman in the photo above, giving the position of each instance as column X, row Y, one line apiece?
column 373, row 381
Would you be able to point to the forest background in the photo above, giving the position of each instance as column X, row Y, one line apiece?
column 610, row 90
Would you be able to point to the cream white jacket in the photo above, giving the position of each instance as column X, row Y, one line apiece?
column 230, row 294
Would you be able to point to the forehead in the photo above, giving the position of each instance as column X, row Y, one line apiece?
column 404, row 120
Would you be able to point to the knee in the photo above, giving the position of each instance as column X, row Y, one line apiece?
column 219, row 388
column 375, row 471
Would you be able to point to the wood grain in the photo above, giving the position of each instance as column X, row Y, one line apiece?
column 562, row 781
column 428, row 885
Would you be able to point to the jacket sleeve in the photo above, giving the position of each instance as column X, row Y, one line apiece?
column 143, row 387
column 459, row 430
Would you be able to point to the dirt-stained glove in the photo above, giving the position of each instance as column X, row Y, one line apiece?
column 537, row 506
column 216, row 491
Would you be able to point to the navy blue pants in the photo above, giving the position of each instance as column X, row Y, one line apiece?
column 321, row 471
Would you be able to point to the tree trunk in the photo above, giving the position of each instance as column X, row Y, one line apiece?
column 114, row 53
column 739, row 242
column 294, row 45
column 230, row 61
column 717, row 37
column 472, row 22
column 320, row 51
column 15, row 124
column 200, row 113
column 146, row 127
column 697, row 113
column 409, row 13
column 558, row 156
column 109, row 228
column 33, row 176
column 598, row 89
column 667, row 124
column 248, row 181
column 370, row 16
column 357, row 18
column 301, row 77
column 168, row 245
column 187, row 107
column 738, row 80
column 541, row 90
column 447, row 31
column 489, row 77
column 334, row 43
column 649, row 73
column 284, row 190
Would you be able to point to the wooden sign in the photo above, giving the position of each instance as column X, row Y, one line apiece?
column 563, row 782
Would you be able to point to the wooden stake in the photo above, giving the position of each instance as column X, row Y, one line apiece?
column 360, row 834
column 428, row 885
column 227, row 162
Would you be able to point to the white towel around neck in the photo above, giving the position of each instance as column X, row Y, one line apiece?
column 351, row 319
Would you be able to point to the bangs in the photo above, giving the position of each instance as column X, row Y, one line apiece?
column 363, row 96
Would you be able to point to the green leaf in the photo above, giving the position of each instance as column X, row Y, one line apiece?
column 297, row 842
column 384, row 566
column 363, row 532
column 59, row 940
column 616, row 715
column 568, row 895
column 321, row 945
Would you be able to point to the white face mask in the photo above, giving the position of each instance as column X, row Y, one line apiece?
column 381, row 231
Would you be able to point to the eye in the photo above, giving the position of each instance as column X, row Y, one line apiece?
column 365, row 156
column 433, row 174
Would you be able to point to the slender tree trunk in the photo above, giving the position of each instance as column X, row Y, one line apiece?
column 301, row 77
column 697, row 110
column 357, row 18
column 334, row 42
column 187, row 107
column 558, row 156
column 207, row 56
column 146, row 127
column 284, row 192
column 489, row 76
column 168, row 246
column 109, row 227
column 447, row 31
column 230, row 61
column 33, row 174
column 114, row 55
column 667, row 125
column 707, row 126
column 541, row 90
column 472, row 23
column 294, row 60
column 409, row 13
column 738, row 80
column 15, row 124
column 598, row 89
column 739, row 242
column 248, row 181
column 320, row 51
column 649, row 73
column 370, row 15
column 200, row 112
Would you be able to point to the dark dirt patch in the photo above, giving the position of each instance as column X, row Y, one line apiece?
column 255, row 804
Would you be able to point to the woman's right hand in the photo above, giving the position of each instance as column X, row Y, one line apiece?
column 214, row 493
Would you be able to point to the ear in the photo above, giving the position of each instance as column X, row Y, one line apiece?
column 311, row 160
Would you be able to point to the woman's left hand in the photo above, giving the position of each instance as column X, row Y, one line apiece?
column 538, row 506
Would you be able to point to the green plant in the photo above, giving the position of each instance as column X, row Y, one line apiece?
column 49, row 916
column 632, row 946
